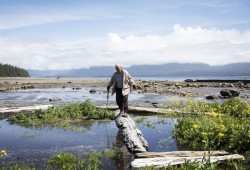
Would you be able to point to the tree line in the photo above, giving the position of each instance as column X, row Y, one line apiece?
column 7, row 70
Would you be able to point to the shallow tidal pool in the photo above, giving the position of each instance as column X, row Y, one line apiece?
column 37, row 145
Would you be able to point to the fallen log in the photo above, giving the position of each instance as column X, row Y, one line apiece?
column 151, row 110
column 132, row 136
column 147, row 110
column 25, row 108
column 133, row 109
column 171, row 160
column 179, row 154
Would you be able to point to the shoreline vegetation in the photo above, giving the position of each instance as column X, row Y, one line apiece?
column 213, row 126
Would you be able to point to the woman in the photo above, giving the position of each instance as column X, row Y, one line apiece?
column 121, row 82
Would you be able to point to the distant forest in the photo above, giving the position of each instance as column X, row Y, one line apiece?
column 7, row 70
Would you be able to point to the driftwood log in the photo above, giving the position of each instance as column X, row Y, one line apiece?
column 152, row 110
column 25, row 108
column 10, row 111
column 164, row 159
column 132, row 136
column 179, row 154
column 133, row 109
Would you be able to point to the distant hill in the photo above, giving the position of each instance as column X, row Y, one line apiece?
column 7, row 70
column 47, row 73
column 170, row 69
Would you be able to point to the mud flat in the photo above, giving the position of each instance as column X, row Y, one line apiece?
column 16, row 83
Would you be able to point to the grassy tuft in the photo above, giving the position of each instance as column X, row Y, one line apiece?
column 62, row 116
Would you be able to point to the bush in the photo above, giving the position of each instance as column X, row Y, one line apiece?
column 55, row 115
column 227, row 128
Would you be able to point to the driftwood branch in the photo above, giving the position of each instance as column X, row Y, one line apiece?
column 132, row 136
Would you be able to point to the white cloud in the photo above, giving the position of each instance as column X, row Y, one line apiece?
column 24, row 20
column 211, row 46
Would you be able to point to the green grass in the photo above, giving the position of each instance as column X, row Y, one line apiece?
column 62, row 116
column 90, row 160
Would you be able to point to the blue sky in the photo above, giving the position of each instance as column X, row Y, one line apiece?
column 71, row 34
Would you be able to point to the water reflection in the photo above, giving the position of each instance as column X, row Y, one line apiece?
column 124, row 157
column 37, row 145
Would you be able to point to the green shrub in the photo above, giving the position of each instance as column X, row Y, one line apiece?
column 224, row 128
column 55, row 115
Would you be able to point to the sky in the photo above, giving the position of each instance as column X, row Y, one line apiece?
column 73, row 34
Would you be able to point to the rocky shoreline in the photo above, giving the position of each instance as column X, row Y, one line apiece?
column 206, row 90
column 239, row 89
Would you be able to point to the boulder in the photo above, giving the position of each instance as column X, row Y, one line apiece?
column 229, row 93
column 146, row 85
column 92, row 90
column 3, row 89
column 212, row 97
column 76, row 88
column 196, row 85
column 55, row 99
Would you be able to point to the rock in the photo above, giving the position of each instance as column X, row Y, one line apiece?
column 196, row 85
column 203, row 85
column 182, row 93
column 179, row 87
column 156, row 105
column 229, row 93
column 28, row 87
column 76, row 88
column 139, row 87
column 92, row 90
column 212, row 97
column 2, row 89
column 55, row 99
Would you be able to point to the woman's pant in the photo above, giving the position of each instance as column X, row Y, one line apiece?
column 121, row 101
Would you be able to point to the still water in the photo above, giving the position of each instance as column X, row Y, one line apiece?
column 37, row 145
column 42, row 96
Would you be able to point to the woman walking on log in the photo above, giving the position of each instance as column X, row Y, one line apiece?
column 121, row 83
